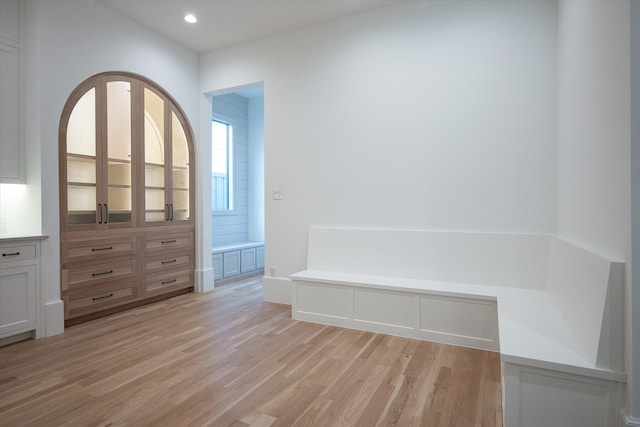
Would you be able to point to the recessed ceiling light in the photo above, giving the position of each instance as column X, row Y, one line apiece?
column 190, row 18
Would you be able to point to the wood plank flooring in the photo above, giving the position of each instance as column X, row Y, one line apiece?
column 226, row 358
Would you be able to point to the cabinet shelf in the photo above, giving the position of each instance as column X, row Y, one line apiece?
column 119, row 161
column 155, row 165
column 82, row 212
column 80, row 158
column 119, row 186
column 81, row 184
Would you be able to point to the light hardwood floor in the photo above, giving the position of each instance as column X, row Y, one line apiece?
column 226, row 358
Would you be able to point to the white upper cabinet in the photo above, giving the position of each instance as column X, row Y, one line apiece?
column 11, row 155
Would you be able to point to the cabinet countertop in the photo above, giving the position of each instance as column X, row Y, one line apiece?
column 9, row 238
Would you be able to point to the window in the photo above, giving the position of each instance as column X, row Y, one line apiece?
column 221, row 166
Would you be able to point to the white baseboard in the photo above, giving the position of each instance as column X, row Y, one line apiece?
column 53, row 318
column 16, row 338
column 204, row 280
column 276, row 289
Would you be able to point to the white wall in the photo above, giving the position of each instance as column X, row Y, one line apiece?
column 436, row 115
column 594, row 131
column 69, row 41
column 256, row 169
column 594, row 124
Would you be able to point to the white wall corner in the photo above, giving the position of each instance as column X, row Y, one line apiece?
column 53, row 318
column 277, row 289
column 204, row 280
column 611, row 345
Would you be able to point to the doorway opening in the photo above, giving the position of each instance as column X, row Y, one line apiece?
column 237, row 183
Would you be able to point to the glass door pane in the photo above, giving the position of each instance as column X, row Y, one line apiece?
column 179, row 171
column 81, row 161
column 154, row 159
column 119, row 152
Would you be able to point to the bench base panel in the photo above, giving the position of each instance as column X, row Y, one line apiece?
column 539, row 397
column 451, row 320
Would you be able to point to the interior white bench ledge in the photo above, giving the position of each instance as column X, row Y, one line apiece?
column 553, row 310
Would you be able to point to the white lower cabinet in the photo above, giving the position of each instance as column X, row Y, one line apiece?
column 19, row 288
column 260, row 258
column 231, row 263
column 217, row 266
column 236, row 260
column 247, row 260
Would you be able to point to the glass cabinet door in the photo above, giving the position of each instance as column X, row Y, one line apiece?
column 118, row 155
column 81, row 164
column 179, row 171
column 126, row 156
column 98, row 158
column 156, row 207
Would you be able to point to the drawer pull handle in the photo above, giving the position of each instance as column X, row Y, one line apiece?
column 12, row 254
column 169, row 262
column 102, row 273
column 164, row 242
column 102, row 297
column 169, row 281
column 102, row 249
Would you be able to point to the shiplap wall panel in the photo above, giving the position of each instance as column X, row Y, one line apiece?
column 234, row 228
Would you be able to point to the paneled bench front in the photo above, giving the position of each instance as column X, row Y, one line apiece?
column 232, row 261
column 553, row 310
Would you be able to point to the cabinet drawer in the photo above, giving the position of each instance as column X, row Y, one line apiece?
column 98, row 249
column 168, row 262
column 96, row 298
column 18, row 253
column 77, row 277
column 168, row 242
column 168, row 282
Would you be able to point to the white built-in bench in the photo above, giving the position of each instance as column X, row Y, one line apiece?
column 553, row 310
column 238, row 259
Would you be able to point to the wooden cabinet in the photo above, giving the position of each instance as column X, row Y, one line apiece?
column 19, row 270
column 127, row 195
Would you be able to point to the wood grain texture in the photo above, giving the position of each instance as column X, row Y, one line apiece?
column 226, row 358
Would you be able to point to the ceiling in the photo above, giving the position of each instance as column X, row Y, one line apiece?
column 227, row 22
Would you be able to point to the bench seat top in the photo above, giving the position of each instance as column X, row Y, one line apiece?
column 531, row 329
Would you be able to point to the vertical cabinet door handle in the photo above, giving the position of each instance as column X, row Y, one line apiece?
column 106, row 214
column 166, row 212
column 100, row 209
column 171, row 207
